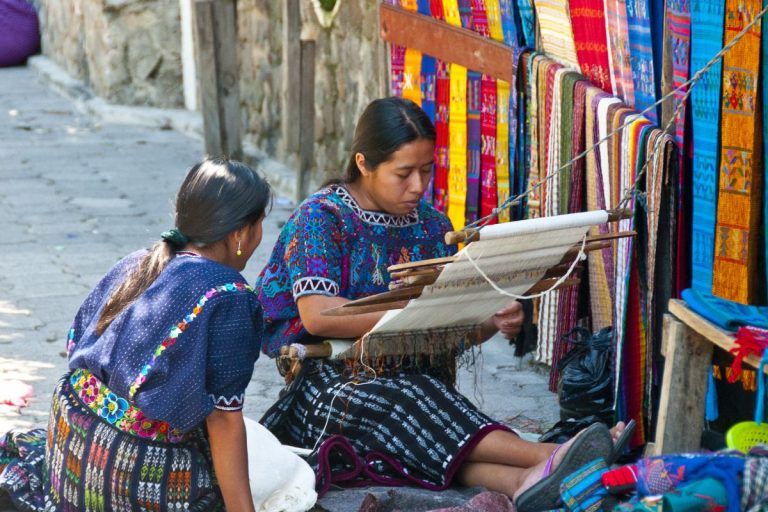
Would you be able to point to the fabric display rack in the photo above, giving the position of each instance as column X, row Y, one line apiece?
column 577, row 105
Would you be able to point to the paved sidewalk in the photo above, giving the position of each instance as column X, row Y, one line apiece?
column 76, row 195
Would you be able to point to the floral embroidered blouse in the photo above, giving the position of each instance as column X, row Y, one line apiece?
column 331, row 246
column 187, row 345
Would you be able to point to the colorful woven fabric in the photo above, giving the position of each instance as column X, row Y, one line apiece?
column 556, row 32
column 707, row 18
column 754, row 484
column 397, row 63
column 600, row 263
column 474, row 145
column 411, row 85
column 641, row 56
column 588, row 20
column 87, row 464
column 765, row 154
column 465, row 13
column 457, row 120
column 617, row 34
column 507, row 18
column 442, row 135
column 504, row 154
column 428, row 93
column 741, row 173
column 527, row 22
column 488, row 132
column 725, row 314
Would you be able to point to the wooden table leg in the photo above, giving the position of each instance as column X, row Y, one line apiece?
column 688, row 356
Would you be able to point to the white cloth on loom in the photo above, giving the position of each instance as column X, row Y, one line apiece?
column 280, row 480
column 514, row 255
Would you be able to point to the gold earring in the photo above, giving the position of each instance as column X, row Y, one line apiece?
column 239, row 252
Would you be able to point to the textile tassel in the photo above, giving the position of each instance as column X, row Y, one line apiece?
column 741, row 174
column 707, row 18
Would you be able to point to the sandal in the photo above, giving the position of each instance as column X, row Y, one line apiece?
column 621, row 443
column 593, row 443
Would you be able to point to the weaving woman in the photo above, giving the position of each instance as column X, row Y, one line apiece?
column 160, row 354
column 408, row 426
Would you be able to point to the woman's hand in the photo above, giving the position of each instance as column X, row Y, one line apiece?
column 508, row 321
column 229, row 450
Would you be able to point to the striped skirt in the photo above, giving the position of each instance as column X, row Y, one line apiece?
column 84, row 463
column 406, row 429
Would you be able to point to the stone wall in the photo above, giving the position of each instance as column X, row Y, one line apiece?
column 349, row 55
column 128, row 52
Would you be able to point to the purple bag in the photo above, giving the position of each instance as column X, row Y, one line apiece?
column 19, row 32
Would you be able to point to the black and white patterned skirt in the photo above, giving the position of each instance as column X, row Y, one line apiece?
column 405, row 429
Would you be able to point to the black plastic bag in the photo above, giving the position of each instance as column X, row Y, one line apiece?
column 585, row 387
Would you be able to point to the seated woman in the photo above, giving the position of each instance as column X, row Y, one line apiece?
column 149, row 415
column 409, row 426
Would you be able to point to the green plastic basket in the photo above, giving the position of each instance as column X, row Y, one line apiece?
column 746, row 434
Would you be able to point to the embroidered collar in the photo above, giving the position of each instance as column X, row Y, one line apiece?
column 375, row 218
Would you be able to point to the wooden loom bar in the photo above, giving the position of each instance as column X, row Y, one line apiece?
column 446, row 42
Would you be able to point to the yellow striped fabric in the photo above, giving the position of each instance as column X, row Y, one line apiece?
column 412, row 65
column 556, row 31
column 502, row 146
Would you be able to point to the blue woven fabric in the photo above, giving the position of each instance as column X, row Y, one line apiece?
column 641, row 56
column 208, row 364
column 706, row 39
column 725, row 313
column 528, row 21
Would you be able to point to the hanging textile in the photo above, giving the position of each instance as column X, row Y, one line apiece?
column 457, row 121
column 765, row 162
column 556, row 32
column 641, row 56
column 442, row 133
column 474, row 141
column 532, row 162
column 569, row 199
column 738, row 207
column 588, row 20
column 428, row 94
column 465, row 13
column 707, row 18
column 527, row 22
column 679, row 23
column 617, row 37
column 548, row 309
column 397, row 63
column 507, row 19
column 411, row 85
column 487, row 195
column 598, row 178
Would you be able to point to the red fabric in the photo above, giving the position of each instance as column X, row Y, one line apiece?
column 749, row 340
column 588, row 20
column 620, row 480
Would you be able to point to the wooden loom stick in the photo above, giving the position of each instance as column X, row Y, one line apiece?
column 471, row 234
column 353, row 308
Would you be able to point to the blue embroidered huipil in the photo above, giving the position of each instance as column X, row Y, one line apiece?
column 331, row 246
column 185, row 346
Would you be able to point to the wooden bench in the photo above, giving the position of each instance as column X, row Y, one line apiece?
column 687, row 344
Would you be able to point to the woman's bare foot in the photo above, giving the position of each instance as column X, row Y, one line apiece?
column 616, row 430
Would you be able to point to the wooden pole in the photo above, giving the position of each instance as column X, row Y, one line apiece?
column 216, row 26
column 291, row 91
column 306, row 118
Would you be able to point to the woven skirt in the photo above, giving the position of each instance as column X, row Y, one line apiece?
column 84, row 463
column 406, row 429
